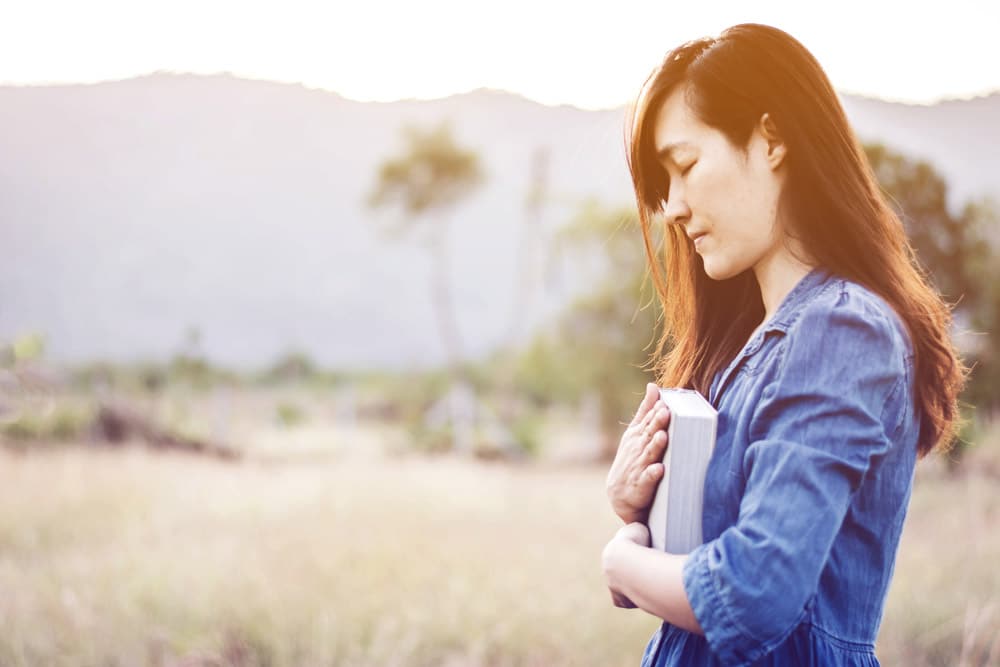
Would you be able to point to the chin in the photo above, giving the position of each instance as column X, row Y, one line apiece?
column 718, row 271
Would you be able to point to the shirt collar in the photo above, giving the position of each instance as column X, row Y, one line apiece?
column 791, row 306
column 803, row 292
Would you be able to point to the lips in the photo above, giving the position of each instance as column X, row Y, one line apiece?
column 696, row 235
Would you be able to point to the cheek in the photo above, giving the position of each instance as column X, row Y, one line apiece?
column 741, row 211
column 719, row 186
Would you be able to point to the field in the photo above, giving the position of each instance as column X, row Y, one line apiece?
column 126, row 556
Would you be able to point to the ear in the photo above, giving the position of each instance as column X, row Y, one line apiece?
column 776, row 148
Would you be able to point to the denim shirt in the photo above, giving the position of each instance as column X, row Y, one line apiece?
column 807, row 487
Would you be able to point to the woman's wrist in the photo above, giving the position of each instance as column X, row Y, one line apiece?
column 633, row 516
column 611, row 561
column 616, row 552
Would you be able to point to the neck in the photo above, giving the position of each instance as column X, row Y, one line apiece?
column 776, row 275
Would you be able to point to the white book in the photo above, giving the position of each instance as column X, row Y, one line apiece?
column 675, row 516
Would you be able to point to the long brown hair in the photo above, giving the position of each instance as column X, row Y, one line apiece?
column 831, row 196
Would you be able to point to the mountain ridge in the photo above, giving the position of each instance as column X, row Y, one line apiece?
column 138, row 209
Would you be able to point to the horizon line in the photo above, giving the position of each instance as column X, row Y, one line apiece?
column 489, row 89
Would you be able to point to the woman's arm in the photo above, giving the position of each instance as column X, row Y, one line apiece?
column 819, row 425
column 651, row 579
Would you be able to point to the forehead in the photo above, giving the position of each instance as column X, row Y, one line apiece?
column 675, row 125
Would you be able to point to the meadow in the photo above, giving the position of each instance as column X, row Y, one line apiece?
column 359, row 553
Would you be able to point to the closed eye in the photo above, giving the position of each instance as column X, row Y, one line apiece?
column 688, row 168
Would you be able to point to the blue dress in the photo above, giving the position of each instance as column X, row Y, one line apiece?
column 807, row 488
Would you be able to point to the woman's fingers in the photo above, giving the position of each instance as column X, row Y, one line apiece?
column 631, row 480
column 646, row 469
column 654, row 414
column 652, row 393
column 658, row 418
column 643, row 427
column 657, row 445
column 644, row 445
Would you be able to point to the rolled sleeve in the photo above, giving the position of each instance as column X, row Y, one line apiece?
column 813, row 437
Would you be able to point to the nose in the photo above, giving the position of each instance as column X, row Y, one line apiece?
column 676, row 211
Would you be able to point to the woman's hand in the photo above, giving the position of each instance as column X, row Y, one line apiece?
column 632, row 532
column 637, row 467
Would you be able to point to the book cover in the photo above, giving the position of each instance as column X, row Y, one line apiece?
column 675, row 516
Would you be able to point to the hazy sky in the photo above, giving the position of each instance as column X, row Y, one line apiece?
column 590, row 55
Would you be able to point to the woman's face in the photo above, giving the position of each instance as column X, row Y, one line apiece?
column 716, row 192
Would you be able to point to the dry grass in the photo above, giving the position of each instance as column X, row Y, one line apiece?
column 944, row 604
column 129, row 557
column 121, row 556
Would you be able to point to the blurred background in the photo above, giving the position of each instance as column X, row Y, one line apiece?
column 320, row 323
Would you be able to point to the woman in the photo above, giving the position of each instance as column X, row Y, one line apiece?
column 799, row 311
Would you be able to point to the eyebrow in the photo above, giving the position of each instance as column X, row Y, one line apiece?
column 665, row 151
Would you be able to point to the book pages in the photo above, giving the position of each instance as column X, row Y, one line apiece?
column 675, row 516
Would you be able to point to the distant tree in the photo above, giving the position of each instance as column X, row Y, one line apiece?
column 601, row 342
column 426, row 181
column 294, row 366
column 526, row 280
column 958, row 255
column 953, row 248
column 189, row 364
column 525, row 276
column 27, row 348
